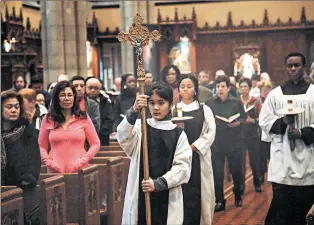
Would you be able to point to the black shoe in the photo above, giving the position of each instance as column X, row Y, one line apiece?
column 220, row 206
column 238, row 202
column 258, row 189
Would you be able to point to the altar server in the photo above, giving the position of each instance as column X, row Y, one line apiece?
column 169, row 155
column 291, row 170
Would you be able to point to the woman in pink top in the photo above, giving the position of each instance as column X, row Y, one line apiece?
column 66, row 128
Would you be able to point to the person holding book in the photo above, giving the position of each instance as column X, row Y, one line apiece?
column 291, row 162
column 229, row 141
column 169, row 156
column 252, row 132
column 199, row 193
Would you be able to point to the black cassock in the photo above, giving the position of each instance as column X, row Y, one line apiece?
column 161, row 148
column 192, row 190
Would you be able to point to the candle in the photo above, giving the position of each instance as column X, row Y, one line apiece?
column 179, row 110
column 290, row 105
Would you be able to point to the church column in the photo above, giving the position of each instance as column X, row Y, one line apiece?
column 63, row 31
column 128, row 10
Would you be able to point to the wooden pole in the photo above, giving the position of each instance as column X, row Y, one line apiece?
column 139, row 37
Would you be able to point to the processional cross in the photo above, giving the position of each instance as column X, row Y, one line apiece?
column 139, row 37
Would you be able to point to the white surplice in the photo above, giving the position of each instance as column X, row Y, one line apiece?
column 203, row 144
column 286, row 166
column 130, row 137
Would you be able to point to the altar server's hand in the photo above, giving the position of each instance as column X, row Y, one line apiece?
column 294, row 134
column 148, row 185
column 249, row 120
column 193, row 147
column 288, row 119
column 234, row 124
column 140, row 102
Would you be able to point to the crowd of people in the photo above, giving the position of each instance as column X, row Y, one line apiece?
column 65, row 125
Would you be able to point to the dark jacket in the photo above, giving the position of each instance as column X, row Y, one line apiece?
column 123, row 103
column 227, row 139
column 22, row 159
column 93, row 112
column 106, row 115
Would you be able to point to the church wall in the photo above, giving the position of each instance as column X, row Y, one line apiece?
column 246, row 11
column 107, row 17
column 274, row 47
column 33, row 14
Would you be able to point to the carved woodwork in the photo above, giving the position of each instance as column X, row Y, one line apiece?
column 52, row 200
column 88, row 181
column 23, row 52
column 116, row 188
column 12, row 210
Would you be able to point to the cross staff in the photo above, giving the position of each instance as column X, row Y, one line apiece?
column 139, row 37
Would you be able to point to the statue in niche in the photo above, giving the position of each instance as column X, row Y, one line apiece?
column 180, row 55
column 246, row 66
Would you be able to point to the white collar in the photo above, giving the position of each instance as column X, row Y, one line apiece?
column 161, row 125
column 190, row 107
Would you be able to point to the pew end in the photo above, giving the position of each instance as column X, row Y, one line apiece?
column 12, row 205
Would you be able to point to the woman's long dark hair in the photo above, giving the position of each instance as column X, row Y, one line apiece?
column 56, row 113
column 164, row 72
column 12, row 94
column 195, row 82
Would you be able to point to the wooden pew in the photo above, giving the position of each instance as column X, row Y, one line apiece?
column 82, row 196
column 43, row 168
column 114, row 143
column 48, row 198
column 110, row 148
column 116, row 188
column 52, row 203
column 49, row 195
column 112, row 189
column 110, row 154
column 103, row 190
column 12, row 206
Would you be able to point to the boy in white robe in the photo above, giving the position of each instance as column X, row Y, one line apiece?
column 169, row 154
column 291, row 171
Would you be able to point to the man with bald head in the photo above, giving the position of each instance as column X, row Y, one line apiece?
column 94, row 91
column 117, row 84
column 62, row 77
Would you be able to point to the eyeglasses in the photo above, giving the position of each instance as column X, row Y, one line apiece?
column 295, row 65
column 64, row 96
column 93, row 87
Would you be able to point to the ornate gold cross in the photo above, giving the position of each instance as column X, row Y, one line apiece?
column 139, row 37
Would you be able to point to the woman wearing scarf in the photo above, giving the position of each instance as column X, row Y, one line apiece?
column 20, row 155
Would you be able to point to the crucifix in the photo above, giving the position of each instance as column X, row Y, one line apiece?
column 139, row 37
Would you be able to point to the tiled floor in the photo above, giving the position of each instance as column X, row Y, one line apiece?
column 253, row 211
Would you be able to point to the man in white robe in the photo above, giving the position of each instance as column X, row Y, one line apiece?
column 291, row 171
